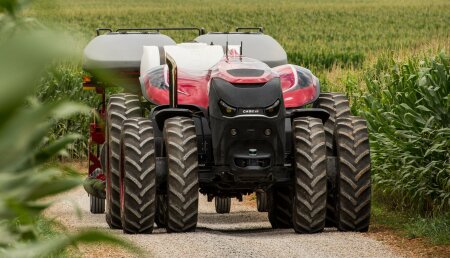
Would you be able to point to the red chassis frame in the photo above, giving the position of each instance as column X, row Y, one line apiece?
column 96, row 131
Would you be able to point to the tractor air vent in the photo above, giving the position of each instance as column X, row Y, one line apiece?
column 246, row 72
column 248, row 85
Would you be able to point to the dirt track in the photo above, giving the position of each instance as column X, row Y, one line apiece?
column 242, row 233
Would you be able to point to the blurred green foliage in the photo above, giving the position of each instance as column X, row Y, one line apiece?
column 27, row 51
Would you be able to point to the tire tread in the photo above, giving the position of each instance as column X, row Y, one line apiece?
column 182, row 181
column 280, row 206
column 310, row 195
column 118, row 106
column 223, row 204
column 97, row 205
column 337, row 106
column 354, row 176
column 138, row 165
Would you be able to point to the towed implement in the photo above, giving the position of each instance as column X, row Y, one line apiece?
column 224, row 116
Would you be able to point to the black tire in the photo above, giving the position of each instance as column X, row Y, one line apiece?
column 161, row 211
column 261, row 201
column 338, row 106
column 353, row 174
column 120, row 107
column 97, row 205
column 223, row 204
column 310, row 183
column 137, row 176
column 103, row 158
column 280, row 206
column 182, row 182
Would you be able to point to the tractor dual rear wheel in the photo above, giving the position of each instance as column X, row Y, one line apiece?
column 180, row 140
column 137, row 176
column 310, row 182
column 120, row 107
column 353, row 174
column 161, row 210
column 337, row 106
column 279, row 200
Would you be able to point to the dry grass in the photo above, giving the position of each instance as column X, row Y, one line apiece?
column 408, row 247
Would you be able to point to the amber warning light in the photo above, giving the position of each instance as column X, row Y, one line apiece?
column 87, row 83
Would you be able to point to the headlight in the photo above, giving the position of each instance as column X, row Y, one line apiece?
column 273, row 109
column 226, row 109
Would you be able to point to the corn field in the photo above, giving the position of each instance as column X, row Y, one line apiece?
column 406, row 102
column 63, row 83
column 321, row 35
column 407, row 108
column 316, row 34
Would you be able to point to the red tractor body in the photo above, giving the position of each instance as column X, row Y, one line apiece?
column 224, row 116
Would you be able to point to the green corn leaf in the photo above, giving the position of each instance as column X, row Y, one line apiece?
column 51, row 246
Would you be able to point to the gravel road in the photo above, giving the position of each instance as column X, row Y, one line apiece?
column 242, row 233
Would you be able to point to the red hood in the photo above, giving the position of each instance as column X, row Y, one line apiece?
column 299, row 85
column 242, row 70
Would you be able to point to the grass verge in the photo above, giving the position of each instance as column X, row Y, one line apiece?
column 411, row 234
column 434, row 230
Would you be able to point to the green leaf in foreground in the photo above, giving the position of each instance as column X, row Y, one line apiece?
column 48, row 247
column 27, row 183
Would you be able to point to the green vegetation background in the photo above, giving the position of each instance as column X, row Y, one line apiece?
column 316, row 34
column 371, row 50
column 334, row 39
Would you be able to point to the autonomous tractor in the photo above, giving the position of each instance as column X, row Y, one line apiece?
column 223, row 115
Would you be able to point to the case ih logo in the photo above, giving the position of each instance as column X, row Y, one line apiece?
column 250, row 111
